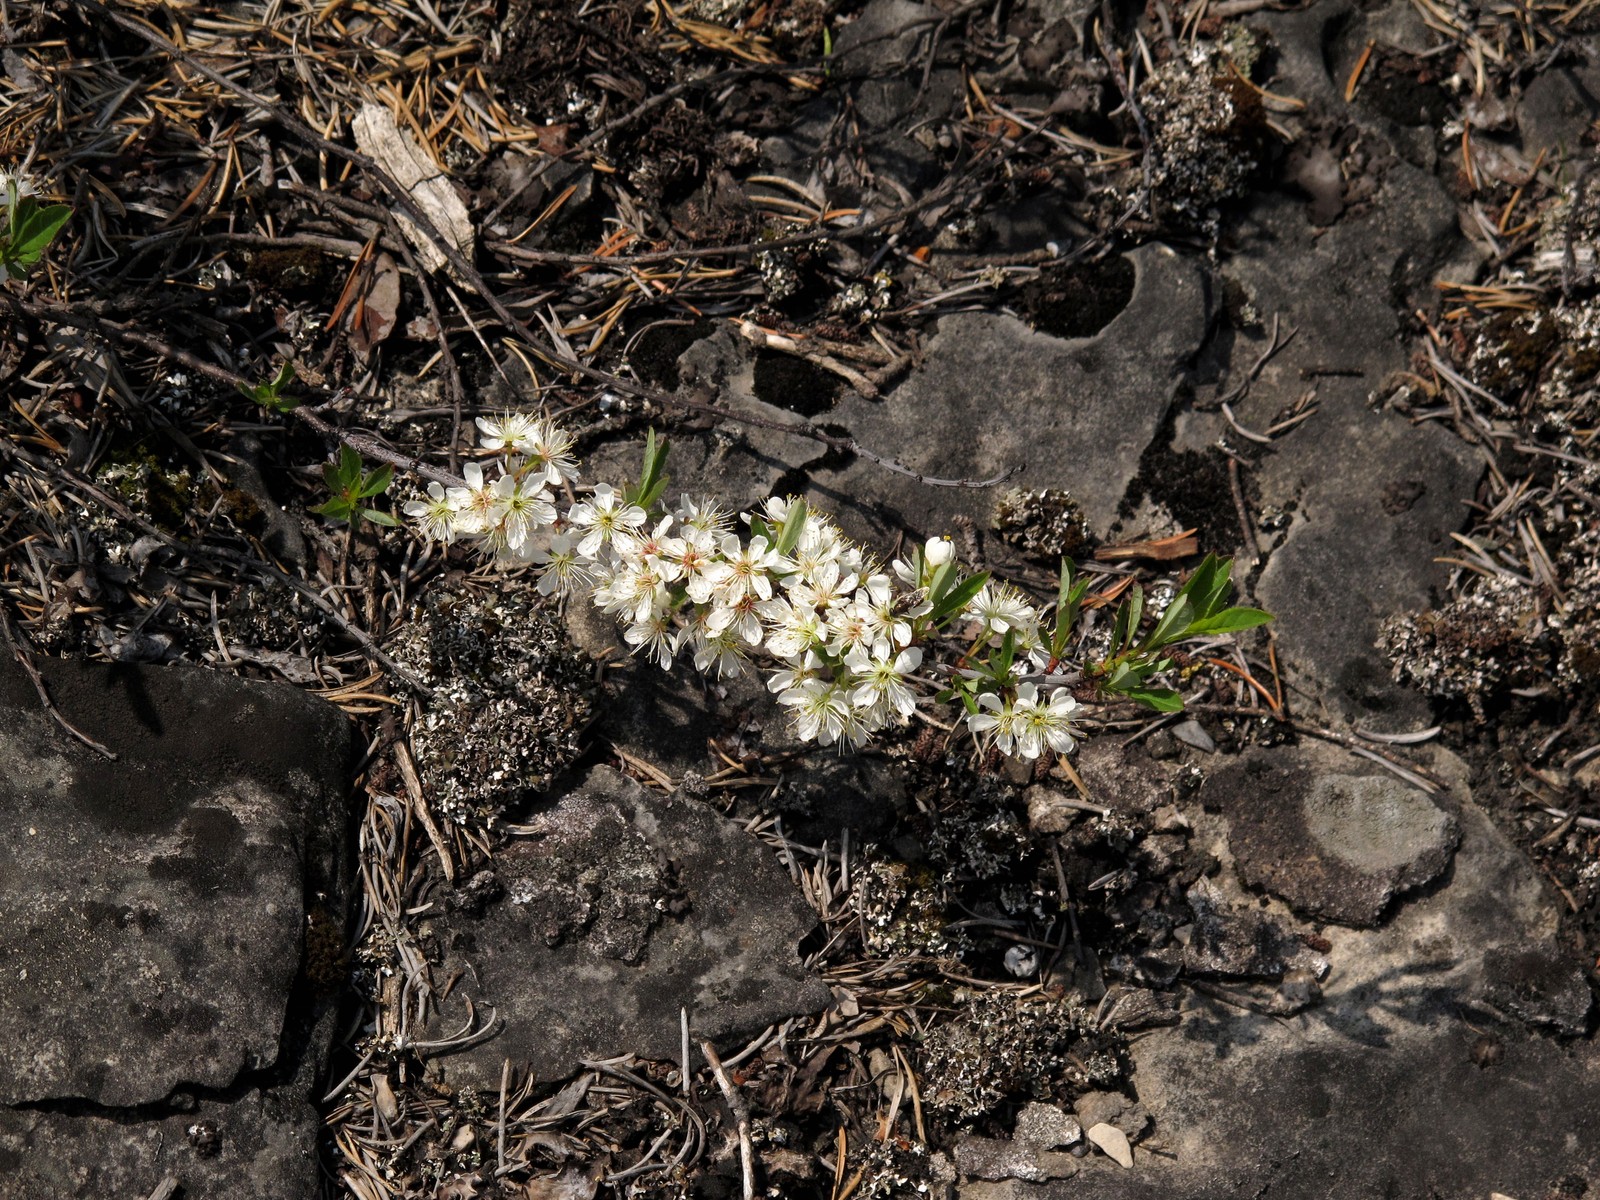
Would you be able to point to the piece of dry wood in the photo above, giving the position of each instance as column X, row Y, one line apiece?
column 398, row 153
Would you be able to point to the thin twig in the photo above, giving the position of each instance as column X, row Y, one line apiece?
column 741, row 1114
column 1246, row 526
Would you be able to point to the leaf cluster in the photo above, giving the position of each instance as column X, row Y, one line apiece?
column 270, row 395
column 1199, row 609
column 352, row 486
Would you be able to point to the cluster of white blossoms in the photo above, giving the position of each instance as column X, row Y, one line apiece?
column 843, row 636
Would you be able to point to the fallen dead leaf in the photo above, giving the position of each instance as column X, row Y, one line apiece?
column 378, row 307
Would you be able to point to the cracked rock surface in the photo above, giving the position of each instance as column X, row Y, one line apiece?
column 152, row 916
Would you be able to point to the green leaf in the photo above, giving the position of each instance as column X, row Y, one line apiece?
column 793, row 525
column 1208, row 587
column 1161, row 699
column 1127, row 624
column 958, row 597
column 1069, row 605
column 1007, row 655
column 375, row 483
column 338, row 508
column 34, row 228
column 379, row 518
column 652, row 479
column 1171, row 626
column 344, row 477
column 943, row 576
column 1229, row 620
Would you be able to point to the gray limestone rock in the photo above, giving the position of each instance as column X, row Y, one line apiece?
column 1373, row 498
column 992, row 394
column 1539, row 985
column 1334, row 844
column 152, row 913
column 621, row 907
column 1045, row 1127
column 1558, row 105
column 1374, row 1092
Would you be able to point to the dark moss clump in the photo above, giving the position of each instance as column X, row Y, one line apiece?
column 1001, row 1048
column 1047, row 523
column 1405, row 89
column 1081, row 299
column 1510, row 350
column 655, row 355
column 512, row 696
column 298, row 271
column 1193, row 487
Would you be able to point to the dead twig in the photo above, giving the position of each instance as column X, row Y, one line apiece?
column 741, row 1115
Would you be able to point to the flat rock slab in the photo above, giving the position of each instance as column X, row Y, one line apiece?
column 1385, row 1087
column 993, row 394
column 617, row 910
column 1334, row 841
column 152, row 908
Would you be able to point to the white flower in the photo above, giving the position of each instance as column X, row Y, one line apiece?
column 797, row 672
column 14, row 185
column 1002, row 609
column 820, row 710
column 822, row 588
column 524, row 506
column 1026, row 726
column 938, row 551
column 850, row 627
column 549, row 448
column 881, row 684
column 791, row 630
column 1040, row 725
column 819, row 544
column 476, row 505
column 563, row 569
column 655, row 634
column 719, row 650
column 506, row 432
column 742, row 616
column 885, row 616
column 602, row 517
column 695, row 554
column 654, row 546
column 703, row 515
column 997, row 717
column 435, row 514
column 745, row 570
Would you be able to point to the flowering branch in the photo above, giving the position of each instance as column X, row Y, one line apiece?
column 844, row 634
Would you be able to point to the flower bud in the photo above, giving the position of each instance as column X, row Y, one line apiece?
column 938, row 551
